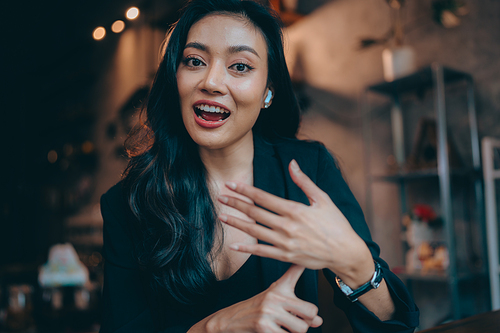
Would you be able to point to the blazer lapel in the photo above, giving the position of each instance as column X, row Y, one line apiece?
column 269, row 175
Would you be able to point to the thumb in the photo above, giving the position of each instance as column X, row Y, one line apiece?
column 290, row 278
column 311, row 190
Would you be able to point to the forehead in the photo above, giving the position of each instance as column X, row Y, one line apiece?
column 226, row 30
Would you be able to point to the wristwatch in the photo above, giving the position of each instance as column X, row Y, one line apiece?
column 374, row 283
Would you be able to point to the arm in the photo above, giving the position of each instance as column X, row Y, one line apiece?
column 319, row 235
column 405, row 313
column 126, row 307
column 125, row 301
column 273, row 310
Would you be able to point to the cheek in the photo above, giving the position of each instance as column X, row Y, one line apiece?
column 181, row 87
column 249, row 93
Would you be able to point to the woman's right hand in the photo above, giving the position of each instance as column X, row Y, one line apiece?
column 273, row 310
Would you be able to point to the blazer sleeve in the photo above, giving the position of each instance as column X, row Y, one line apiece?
column 125, row 298
column 330, row 180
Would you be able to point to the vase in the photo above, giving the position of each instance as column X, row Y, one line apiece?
column 398, row 62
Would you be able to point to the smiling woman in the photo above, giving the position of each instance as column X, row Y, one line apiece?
column 219, row 72
column 215, row 154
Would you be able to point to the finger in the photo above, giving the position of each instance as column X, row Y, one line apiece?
column 256, row 213
column 262, row 198
column 255, row 230
column 305, row 310
column 290, row 278
column 262, row 250
column 311, row 190
column 292, row 323
column 317, row 322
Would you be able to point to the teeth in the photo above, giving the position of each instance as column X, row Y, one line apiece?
column 213, row 109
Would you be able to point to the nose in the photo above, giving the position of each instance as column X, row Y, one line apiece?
column 214, row 81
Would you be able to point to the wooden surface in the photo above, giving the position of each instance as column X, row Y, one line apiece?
column 488, row 322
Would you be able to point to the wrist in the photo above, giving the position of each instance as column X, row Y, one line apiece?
column 353, row 293
column 356, row 273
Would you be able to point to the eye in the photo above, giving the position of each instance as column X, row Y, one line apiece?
column 241, row 67
column 192, row 62
column 195, row 62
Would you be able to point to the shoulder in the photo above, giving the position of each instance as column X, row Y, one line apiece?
column 312, row 156
column 114, row 204
column 296, row 146
column 115, row 195
column 118, row 225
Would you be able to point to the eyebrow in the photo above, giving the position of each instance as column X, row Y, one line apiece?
column 241, row 48
column 232, row 49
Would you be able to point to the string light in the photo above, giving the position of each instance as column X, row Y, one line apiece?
column 99, row 33
column 132, row 13
column 118, row 26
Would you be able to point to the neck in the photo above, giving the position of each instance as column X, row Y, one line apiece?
column 234, row 163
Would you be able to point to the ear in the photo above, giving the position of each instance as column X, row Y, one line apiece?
column 268, row 99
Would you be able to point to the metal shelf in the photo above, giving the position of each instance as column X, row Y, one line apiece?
column 418, row 81
column 433, row 77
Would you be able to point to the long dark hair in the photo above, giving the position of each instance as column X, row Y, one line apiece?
column 165, row 180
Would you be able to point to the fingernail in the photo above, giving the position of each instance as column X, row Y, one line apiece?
column 231, row 185
column 234, row 247
column 223, row 198
column 294, row 166
column 223, row 218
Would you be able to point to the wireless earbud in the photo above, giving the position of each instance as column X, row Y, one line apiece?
column 268, row 97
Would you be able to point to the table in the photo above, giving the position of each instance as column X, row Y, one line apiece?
column 488, row 322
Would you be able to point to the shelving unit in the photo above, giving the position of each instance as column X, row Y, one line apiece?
column 491, row 166
column 433, row 78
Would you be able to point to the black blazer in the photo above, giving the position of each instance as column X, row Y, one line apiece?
column 130, row 305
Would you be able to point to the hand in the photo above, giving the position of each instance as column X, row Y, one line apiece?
column 273, row 310
column 316, row 236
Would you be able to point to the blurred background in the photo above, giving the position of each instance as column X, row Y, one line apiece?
column 367, row 74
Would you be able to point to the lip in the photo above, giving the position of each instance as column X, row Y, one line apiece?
column 205, row 123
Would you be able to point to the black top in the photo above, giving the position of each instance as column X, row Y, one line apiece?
column 130, row 304
column 245, row 283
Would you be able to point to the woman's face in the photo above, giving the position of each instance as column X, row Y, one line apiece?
column 222, row 81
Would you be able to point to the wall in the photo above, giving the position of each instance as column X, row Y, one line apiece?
column 125, row 70
column 131, row 68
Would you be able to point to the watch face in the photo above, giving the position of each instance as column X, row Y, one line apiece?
column 343, row 287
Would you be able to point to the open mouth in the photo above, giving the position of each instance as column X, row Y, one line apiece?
column 211, row 113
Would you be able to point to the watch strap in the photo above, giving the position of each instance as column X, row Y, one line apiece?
column 374, row 283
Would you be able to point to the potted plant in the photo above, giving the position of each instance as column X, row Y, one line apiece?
column 398, row 59
column 425, row 240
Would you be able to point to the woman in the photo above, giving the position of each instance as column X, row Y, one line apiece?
column 223, row 216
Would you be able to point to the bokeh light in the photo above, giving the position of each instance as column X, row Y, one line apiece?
column 132, row 13
column 52, row 156
column 87, row 147
column 118, row 26
column 99, row 33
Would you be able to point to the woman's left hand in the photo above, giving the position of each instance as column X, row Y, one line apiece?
column 316, row 236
